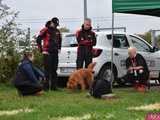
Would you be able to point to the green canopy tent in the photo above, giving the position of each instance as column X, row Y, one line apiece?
column 141, row 7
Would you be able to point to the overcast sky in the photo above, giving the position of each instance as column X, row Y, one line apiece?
column 34, row 14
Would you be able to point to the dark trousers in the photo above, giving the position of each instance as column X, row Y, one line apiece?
column 84, row 55
column 26, row 90
column 50, row 67
column 141, row 78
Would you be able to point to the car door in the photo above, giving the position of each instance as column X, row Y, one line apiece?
column 72, row 50
column 120, row 53
column 68, row 55
column 63, row 56
column 145, row 50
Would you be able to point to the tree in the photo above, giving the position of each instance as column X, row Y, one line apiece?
column 64, row 29
column 9, row 34
column 146, row 36
column 9, row 31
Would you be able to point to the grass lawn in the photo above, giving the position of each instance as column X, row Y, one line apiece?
column 62, row 104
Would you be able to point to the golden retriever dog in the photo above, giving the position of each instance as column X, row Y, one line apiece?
column 82, row 77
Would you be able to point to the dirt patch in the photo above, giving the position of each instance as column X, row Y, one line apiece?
column 149, row 107
column 14, row 112
column 85, row 117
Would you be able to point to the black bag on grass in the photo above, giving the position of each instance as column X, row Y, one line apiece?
column 100, row 87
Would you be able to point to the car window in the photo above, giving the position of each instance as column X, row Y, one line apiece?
column 139, row 44
column 69, row 41
column 119, row 41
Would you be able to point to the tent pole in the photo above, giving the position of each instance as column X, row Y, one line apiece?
column 112, row 51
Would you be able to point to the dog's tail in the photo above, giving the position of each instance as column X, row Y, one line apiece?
column 91, row 65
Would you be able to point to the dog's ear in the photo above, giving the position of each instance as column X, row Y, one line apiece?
column 92, row 65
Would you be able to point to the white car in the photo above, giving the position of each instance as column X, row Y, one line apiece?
column 68, row 55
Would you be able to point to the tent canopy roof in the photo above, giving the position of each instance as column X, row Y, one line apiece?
column 143, row 7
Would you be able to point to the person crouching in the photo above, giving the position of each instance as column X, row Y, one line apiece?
column 27, row 77
column 137, row 69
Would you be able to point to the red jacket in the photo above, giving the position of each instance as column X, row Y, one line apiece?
column 51, row 40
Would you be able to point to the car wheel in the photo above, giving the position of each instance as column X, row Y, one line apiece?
column 105, row 73
column 159, row 79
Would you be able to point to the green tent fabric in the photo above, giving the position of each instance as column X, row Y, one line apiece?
column 143, row 7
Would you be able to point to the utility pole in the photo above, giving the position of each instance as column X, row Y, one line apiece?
column 28, row 36
column 85, row 9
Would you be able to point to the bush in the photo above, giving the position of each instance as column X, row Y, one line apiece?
column 38, row 58
column 10, row 63
column 8, row 68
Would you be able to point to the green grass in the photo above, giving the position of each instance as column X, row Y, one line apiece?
column 53, row 105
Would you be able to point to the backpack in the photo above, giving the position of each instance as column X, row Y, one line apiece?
column 100, row 87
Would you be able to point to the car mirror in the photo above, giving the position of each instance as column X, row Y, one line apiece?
column 154, row 49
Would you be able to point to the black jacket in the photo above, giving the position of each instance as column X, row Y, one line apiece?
column 140, row 61
column 51, row 40
column 86, row 37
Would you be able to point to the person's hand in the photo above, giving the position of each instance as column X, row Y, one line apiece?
column 44, row 80
column 130, row 68
column 45, row 53
column 138, row 68
column 141, row 71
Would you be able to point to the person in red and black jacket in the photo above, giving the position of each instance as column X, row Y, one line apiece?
column 51, row 37
column 86, row 39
